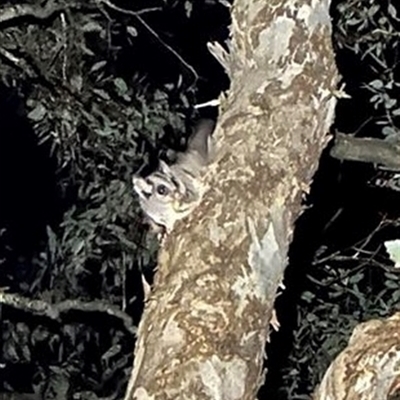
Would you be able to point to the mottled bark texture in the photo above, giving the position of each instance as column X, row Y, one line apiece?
column 368, row 368
column 205, row 324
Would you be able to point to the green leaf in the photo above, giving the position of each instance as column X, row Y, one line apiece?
column 132, row 31
column 121, row 86
column 98, row 65
column 38, row 113
column 92, row 26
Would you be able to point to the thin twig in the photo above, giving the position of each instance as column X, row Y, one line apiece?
column 10, row 12
column 211, row 103
column 364, row 263
column 358, row 246
column 136, row 14
column 65, row 45
column 20, row 63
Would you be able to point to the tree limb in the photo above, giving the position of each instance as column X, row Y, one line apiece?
column 16, row 11
column 54, row 311
column 367, row 369
column 370, row 150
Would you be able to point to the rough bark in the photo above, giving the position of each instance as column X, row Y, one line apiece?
column 205, row 324
column 368, row 369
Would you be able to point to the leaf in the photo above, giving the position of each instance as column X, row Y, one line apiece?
column 132, row 31
column 353, row 21
column 356, row 278
column 102, row 93
column 373, row 10
column 111, row 352
column 389, row 131
column 392, row 284
column 52, row 242
column 188, row 8
column 390, row 103
column 38, row 113
column 78, row 246
column 376, row 84
column 307, row 296
column 106, row 131
column 121, row 86
column 391, row 276
column 392, row 11
column 377, row 98
column 98, row 65
column 92, row 26
column 76, row 82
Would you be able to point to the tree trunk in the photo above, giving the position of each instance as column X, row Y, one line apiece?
column 368, row 368
column 205, row 324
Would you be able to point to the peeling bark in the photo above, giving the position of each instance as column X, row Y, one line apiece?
column 368, row 368
column 205, row 324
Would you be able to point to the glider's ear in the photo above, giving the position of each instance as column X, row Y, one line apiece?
column 164, row 168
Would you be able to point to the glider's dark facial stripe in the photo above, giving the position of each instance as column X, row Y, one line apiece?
column 175, row 182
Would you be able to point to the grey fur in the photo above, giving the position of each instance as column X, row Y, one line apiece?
column 172, row 192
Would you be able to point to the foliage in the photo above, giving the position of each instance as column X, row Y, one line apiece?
column 343, row 288
column 353, row 282
column 368, row 33
column 100, row 121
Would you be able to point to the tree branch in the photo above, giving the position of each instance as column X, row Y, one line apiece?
column 368, row 368
column 10, row 12
column 54, row 311
column 371, row 150
column 204, row 327
column 18, row 62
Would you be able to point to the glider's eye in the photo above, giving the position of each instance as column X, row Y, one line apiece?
column 162, row 190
